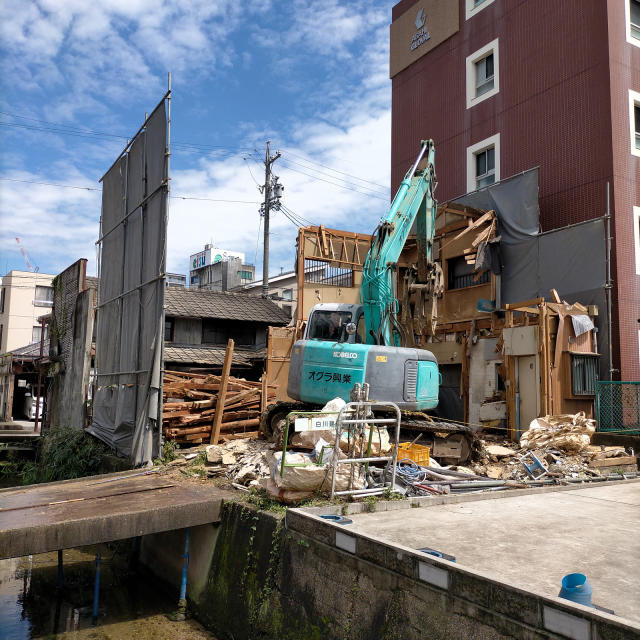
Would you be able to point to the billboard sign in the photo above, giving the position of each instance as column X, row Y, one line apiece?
column 211, row 256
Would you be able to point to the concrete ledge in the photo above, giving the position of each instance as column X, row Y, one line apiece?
column 356, row 508
column 497, row 603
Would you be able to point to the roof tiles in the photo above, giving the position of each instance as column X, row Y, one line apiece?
column 186, row 303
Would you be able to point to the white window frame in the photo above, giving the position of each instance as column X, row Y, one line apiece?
column 627, row 14
column 491, row 47
column 471, row 11
column 634, row 101
column 636, row 237
column 493, row 141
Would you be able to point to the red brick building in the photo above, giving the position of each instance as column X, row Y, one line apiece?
column 506, row 85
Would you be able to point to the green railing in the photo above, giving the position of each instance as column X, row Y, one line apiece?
column 618, row 406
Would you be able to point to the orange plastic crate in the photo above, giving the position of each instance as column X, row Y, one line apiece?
column 416, row 452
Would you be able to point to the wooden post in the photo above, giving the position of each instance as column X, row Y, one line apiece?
column 265, row 391
column 224, row 379
column 542, row 356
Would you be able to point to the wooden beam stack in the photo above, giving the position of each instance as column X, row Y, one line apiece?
column 189, row 406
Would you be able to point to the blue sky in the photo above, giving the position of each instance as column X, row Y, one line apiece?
column 78, row 78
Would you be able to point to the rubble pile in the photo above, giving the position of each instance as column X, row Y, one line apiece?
column 189, row 406
column 562, row 445
column 570, row 433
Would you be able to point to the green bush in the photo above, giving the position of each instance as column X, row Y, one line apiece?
column 63, row 453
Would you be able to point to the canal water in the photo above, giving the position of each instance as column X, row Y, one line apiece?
column 133, row 605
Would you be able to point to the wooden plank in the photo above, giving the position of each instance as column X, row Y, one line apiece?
column 263, row 393
column 222, row 395
column 614, row 462
column 516, row 306
column 555, row 296
column 239, row 436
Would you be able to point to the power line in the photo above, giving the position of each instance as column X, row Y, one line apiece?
column 340, row 186
column 52, row 184
column 177, row 197
column 349, row 175
column 60, row 128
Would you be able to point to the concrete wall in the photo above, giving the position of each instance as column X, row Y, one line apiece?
column 21, row 310
column 307, row 578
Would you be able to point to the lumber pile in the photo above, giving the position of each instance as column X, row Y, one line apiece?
column 189, row 406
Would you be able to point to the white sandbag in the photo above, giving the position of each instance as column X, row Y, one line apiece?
column 312, row 477
column 380, row 443
column 309, row 439
column 285, row 496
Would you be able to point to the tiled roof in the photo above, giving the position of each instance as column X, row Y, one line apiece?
column 209, row 354
column 31, row 351
column 187, row 303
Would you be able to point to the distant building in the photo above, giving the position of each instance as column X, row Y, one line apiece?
column 198, row 325
column 176, row 280
column 219, row 270
column 283, row 290
column 24, row 297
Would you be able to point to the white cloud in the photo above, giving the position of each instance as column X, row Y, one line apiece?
column 56, row 226
column 110, row 53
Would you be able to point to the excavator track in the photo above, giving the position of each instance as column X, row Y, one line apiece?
column 450, row 443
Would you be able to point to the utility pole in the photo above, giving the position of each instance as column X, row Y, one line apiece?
column 265, row 209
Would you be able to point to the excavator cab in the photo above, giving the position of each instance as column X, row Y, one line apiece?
column 335, row 322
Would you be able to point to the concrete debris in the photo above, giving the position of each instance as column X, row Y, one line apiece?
column 498, row 451
column 592, row 461
column 570, row 433
column 241, row 461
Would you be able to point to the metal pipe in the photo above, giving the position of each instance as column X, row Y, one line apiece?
column 35, row 426
column 96, row 585
column 182, row 603
column 608, row 285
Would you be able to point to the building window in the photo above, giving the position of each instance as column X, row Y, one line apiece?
column 460, row 274
column 632, row 11
column 634, row 121
column 36, row 333
column 485, row 167
column 168, row 329
column 287, row 309
column 636, row 236
column 320, row 272
column 483, row 163
column 3, row 293
column 482, row 74
column 584, row 374
column 1, row 328
column 245, row 275
column 44, row 297
column 287, row 294
column 475, row 6
column 194, row 280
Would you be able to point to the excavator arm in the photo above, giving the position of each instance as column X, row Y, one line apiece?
column 414, row 199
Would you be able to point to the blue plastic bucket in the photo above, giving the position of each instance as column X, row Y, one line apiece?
column 576, row 587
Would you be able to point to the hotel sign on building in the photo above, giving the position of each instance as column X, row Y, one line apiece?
column 419, row 30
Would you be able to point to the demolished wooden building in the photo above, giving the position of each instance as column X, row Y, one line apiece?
column 502, row 364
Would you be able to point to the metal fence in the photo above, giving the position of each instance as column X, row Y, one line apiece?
column 618, row 406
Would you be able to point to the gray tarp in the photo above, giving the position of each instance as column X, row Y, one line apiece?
column 131, row 295
column 515, row 201
column 571, row 260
